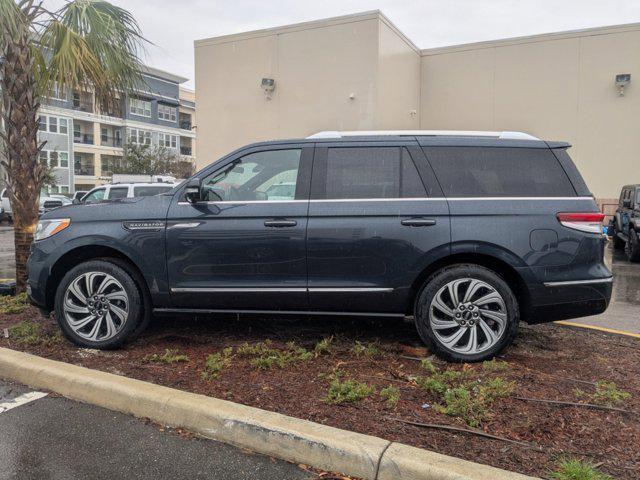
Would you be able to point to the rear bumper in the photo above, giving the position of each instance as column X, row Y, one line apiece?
column 569, row 299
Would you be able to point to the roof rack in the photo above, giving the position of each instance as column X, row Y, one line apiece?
column 424, row 133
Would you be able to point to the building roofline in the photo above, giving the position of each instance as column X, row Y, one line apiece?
column 156, row 72
column 295, row 27
column 543, row 37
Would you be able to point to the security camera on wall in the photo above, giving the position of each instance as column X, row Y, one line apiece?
column 268, row 85
column 622, row 80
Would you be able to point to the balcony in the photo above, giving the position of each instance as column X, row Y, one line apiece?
column 83, row 138
column 109, row 141
column 185, row 124
column 81, row 168
column 185, row 151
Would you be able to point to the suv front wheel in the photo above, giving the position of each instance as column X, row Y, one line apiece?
column 99, row 305
column 466, row 313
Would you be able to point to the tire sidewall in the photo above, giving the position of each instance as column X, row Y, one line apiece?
column 131, row 288
column 440, row 279
column 633, row 248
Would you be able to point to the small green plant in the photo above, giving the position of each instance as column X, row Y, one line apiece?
column 607, row 393
column 267, row 357
column 348, row 391
column 494, row 365
column 169, row 356
column 26, row 333
column 324, row 346
column 369, row 349
column 574, row 469
column 216, row 363
column 391, row 395
column 12, row 304
column 428, row 365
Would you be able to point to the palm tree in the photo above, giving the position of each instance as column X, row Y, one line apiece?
column 88, row 45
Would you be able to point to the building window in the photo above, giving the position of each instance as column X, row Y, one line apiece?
column 58, row 93
column 54, row 158
column 140, row 107
column 139, row 137
column 167, row 140
column 53, row 124
column 166, row 112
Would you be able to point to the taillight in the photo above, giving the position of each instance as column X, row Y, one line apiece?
column 585, row 222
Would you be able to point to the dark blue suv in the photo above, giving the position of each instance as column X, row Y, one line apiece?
column 466, row 232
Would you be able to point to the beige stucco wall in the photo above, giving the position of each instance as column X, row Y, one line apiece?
column 557, row 87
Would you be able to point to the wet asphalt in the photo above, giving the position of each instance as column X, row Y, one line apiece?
column 57, row 438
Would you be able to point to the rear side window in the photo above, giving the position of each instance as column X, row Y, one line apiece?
column 150, row 191
column 368, row 172
column 499, row 172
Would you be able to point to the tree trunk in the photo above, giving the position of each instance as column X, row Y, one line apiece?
column 23, row 173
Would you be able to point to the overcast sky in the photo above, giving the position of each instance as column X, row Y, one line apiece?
column 173, row 25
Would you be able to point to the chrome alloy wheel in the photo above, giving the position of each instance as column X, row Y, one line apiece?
column 468, row 316
column 96, row 306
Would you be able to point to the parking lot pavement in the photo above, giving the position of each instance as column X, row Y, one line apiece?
column 53, row 437
column 623, row 314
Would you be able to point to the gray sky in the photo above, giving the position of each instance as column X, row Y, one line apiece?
column 173, row 25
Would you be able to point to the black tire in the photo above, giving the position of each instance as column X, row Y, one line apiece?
column 442, row 278
column 633, row 246
column 618, row 243
column 136, row 317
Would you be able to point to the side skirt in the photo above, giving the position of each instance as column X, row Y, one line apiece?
column 207, row 311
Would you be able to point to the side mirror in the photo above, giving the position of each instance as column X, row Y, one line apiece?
column 75, row 201
column 192, row 190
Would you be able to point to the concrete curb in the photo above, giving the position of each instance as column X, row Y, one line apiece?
column 265, row 432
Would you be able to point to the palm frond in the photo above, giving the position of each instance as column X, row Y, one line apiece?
column 93, row 44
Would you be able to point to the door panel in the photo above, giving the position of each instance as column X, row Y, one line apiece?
column 364, row 253
column 233, row 253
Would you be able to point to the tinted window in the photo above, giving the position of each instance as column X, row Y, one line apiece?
column 94, row 196
column 150, row 191
column 118, row 192
column 371, row 172
column 255, row 177
column 498, row 172
column 638, row 196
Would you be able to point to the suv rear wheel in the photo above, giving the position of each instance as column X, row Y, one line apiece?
column 466, row 313
column 99, row 305
column 633, row 246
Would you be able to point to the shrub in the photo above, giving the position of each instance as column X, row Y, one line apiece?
column 324, row 346
column 494, row 365
column 574, row 469
column 391, row 395
column 348, row 391
column 267, row 357
column 367, row 349
column 169, row 356
column 12, row 304
column 607, row 393
column 216, row 363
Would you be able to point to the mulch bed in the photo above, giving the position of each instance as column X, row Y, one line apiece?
column 546, row 362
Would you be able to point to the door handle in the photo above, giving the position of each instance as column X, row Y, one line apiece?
column 418, row 222
column 280, row 223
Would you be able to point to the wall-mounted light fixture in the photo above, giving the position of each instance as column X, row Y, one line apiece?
column 268, row 85
column 622, row 80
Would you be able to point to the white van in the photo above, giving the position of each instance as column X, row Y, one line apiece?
column 115, row 191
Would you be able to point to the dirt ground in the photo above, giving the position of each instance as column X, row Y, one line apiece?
column 548, row 362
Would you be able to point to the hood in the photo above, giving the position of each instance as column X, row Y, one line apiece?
column 137, row 208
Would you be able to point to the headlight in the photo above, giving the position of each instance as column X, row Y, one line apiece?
column 47, row 228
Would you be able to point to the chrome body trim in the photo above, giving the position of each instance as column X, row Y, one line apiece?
column 578, row 282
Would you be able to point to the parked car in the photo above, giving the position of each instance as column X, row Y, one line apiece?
column 468, row 233
column 116, row 191
column 624, row 227
column 78, row 194
column 46, row 204
column 63, row 198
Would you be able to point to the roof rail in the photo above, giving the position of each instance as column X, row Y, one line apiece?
column 418, row 133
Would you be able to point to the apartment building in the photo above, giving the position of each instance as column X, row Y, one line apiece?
column 84, row 140
column 360, row 72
